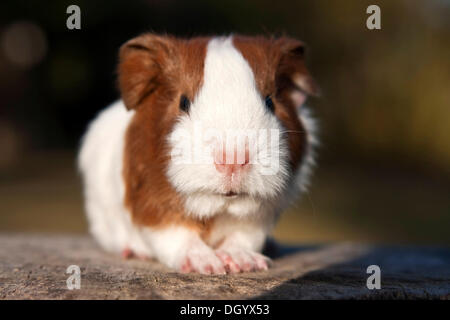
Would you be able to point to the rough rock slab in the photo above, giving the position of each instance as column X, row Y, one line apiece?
column 34, row 267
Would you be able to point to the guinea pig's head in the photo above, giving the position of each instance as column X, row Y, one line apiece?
column 220, row 114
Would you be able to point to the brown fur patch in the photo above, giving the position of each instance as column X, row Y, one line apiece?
column 152, row 82
column 274, row 62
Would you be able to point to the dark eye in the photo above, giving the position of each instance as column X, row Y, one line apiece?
column 184, row 103
column 269, row 104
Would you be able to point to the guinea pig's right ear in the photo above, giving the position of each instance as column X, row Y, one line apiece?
column 145, row 63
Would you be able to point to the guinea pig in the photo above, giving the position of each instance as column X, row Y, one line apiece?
column 209, row 143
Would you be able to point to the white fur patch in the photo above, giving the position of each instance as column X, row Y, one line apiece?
column 308, row 162
column 100, row 162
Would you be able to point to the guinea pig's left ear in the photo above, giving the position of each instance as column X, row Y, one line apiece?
column 145, row 65
column 292, row 77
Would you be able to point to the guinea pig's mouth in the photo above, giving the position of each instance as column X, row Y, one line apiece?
column 232, row 194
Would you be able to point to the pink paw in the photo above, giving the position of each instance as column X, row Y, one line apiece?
column 241, row 260
column 127, row 253
column 202, row 261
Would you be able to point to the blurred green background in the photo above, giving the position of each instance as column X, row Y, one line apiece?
column 383, row 170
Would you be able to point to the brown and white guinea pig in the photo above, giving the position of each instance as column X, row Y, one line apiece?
column 208, row 145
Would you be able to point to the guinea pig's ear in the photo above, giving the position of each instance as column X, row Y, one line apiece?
column 145, row 63
column 292, row 77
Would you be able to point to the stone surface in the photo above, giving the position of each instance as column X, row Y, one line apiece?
column 34, row 267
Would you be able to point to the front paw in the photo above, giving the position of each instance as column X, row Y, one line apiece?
column 201, row 260
column 242, row 260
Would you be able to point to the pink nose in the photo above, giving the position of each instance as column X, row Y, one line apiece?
column 229, row 166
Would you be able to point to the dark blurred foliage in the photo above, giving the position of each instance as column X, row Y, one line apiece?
column 385, row 92
column 384, row 112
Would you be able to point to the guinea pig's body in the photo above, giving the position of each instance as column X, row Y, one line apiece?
column 208, row 145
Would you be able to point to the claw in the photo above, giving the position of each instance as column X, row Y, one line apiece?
column 230, row 265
